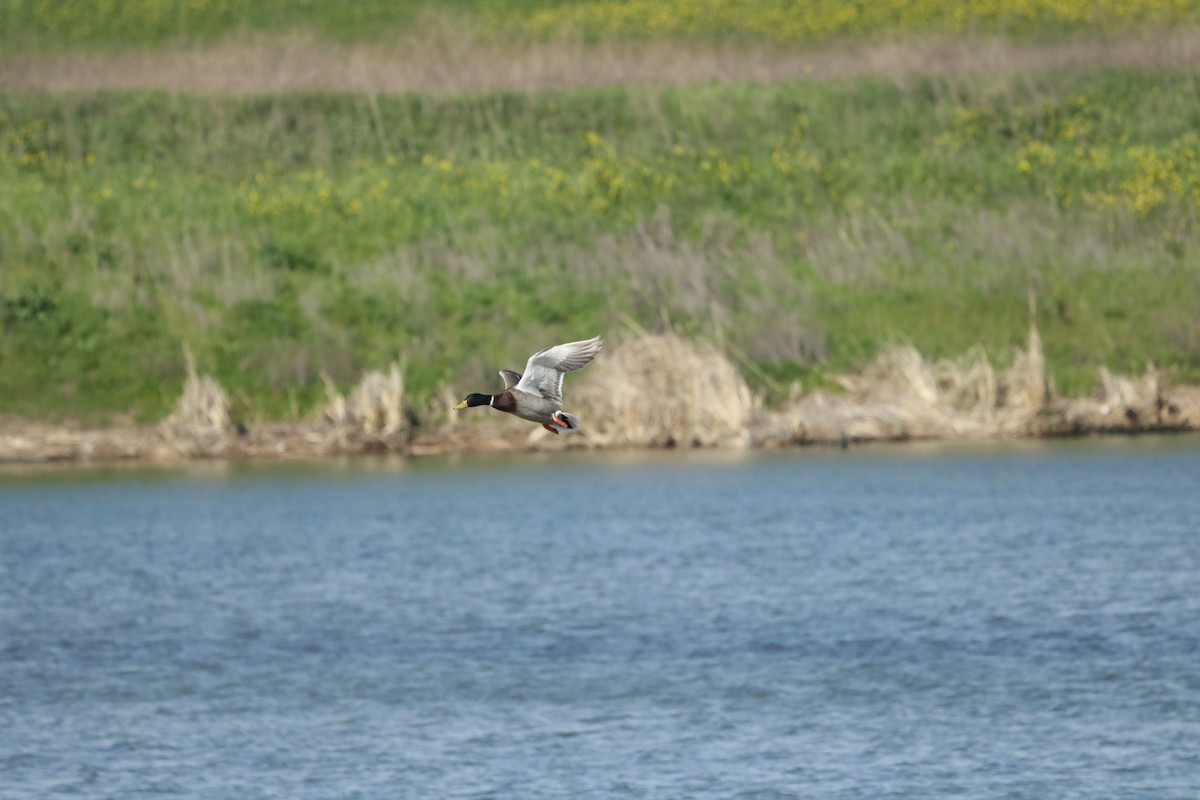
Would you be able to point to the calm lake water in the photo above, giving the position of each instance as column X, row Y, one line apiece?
column 906, row 622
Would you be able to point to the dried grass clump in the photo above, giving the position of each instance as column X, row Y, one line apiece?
column 375, row 406
column 1143, row 393
column 664, row 390
column 203, row 409
column 1026, row 391
column 1122, row 403
column 901, row 395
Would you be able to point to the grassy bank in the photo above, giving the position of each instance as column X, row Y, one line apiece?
column 805, row 225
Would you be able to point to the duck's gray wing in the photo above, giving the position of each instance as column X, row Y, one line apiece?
column 544, row 372
column 511, row 378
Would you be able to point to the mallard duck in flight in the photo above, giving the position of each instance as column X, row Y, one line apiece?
column 537, row 395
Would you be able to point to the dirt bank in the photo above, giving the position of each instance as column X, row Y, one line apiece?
column 651, row 391
column 823, row 421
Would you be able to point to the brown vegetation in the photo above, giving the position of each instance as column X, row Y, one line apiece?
column 449, row 62
column 203, row 406
column 1129, row 404
column 901, row 395
column 376, row 405
column 665, row 390
column 653, row 391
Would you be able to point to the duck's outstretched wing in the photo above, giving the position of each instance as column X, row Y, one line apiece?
column 511, row 378
column 544, row 372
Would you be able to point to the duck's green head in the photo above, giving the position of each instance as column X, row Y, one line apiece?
column 474, row 399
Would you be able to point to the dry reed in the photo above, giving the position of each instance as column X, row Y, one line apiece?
column 664, row 390
column 375, row 408
column 203, row 408
column 1123, row 403
column 202, row 420
column 901, row 395
column 446, row 63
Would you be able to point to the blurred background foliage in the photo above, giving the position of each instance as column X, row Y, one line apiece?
column 802, row 224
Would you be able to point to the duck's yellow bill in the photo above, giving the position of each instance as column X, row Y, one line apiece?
column 461, row 406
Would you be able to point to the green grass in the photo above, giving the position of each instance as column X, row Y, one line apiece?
column 28, row 25
column 808, row 224
column 40, row 24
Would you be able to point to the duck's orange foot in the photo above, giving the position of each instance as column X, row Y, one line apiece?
column 552, row 430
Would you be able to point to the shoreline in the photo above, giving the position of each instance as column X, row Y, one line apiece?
column 654, row 392
column 693, row 397
column 35, row 443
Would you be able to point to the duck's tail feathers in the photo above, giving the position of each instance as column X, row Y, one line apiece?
column 571, row 420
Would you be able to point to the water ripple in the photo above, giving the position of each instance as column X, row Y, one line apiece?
column 893, row 623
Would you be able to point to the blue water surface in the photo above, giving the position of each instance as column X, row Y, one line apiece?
column 905, row 622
